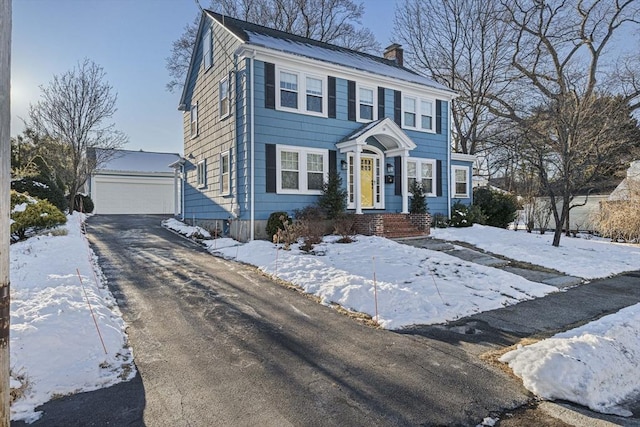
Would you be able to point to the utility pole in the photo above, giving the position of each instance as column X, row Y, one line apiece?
column 5, row 179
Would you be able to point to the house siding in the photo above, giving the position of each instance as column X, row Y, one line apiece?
column 275, row 126
column 215, row 134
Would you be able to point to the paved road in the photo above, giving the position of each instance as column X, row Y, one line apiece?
column 216, row 343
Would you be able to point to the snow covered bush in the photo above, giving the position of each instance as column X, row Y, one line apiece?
column 465, row 216
column 30, row 215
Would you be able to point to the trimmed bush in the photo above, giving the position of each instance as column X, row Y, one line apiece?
column 276, row 222
column 465, row 216
column 500, row 209
column 83, row 203
column 37, row 215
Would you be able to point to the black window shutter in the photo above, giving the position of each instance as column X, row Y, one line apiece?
column 397, row 172
column 269, row 85
column 333, row 161
column 270, row 152
column 397, row 107
column 351, row 100
column 380, row 102
column 439, row 178
column 332, row 96
column 438, row 116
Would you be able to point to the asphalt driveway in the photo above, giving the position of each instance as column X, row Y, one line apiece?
column 216, row 343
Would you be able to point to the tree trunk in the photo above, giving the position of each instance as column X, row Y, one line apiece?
column 5, row 177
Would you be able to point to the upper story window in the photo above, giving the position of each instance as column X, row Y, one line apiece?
column 422, row 171
column 225, row 173
column 301, row 170
column 194, row 120
column 224, row 97
column 460, row 181
column 288, row 90
column 201, row 173
column 417, row 113
column 366, row 103
column 314, row 94
column 207, row 48
column 301, row 92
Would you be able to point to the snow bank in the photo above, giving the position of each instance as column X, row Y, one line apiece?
column 413, row 286
column 596, row 365
column 55, row 347
column 586, row 258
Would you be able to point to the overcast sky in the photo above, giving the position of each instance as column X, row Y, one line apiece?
column 130, row 39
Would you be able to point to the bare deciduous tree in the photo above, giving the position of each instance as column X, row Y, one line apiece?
column 557, row 54
column 462, row 44
column 75, row 109
column 331, row 21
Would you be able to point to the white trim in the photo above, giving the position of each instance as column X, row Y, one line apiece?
column 374, row 105
column 192, row 121
column 224, row 82
column 454, row 182
column 463, row 157
column 226, row 154
column 301, row 74
column 378, row 179
column 434, row 178
column 344, row 72
column 252, row 208
column 201, row 174
column 303, row 184
column 418, row 100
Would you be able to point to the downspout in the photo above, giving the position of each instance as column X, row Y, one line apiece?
column 183, row 178
column 449, row 161
column 252, row 132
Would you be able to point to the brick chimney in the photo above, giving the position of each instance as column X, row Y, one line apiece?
column 394, row 52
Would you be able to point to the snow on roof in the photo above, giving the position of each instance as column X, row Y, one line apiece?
column 136, row 161
column 270, row 38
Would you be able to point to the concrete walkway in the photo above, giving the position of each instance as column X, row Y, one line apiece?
column 578, row 302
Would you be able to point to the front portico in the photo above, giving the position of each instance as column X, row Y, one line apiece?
column 368, row 150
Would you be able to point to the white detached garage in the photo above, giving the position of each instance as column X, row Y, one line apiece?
column 134, row 182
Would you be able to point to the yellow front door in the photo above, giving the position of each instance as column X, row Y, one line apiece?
column 366, row 182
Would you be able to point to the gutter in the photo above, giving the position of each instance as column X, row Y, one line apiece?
column 252, row 131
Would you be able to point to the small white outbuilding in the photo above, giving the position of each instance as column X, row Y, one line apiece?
column 135, row 182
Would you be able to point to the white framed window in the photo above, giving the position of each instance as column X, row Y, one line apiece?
column 314, row 94
column 418, row 113
column 424, row 172
column 288, row 90
column 194, row 120
column 207, row 48
column 301, row 92
column 366, row 103
column 301, row 170
column 460, row 178
column 224, row 97
column 201, row 173
column 225, row 173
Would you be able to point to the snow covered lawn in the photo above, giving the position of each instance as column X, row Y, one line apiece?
column 596, row 365
column 413, row 286
column 580, row 257
column 55, row 346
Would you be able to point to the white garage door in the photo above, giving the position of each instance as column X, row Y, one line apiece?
column 113, row 194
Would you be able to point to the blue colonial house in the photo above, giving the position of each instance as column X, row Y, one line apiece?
column 268, row 114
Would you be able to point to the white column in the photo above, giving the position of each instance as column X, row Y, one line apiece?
column 357, row 185
column 403, row 177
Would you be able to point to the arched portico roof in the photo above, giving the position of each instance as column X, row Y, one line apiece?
column 394, row 140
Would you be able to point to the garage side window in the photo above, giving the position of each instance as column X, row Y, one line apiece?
column 202, row 173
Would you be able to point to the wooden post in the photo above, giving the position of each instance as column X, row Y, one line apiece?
column 5, row 177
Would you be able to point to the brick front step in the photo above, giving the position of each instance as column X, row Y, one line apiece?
column 393, row 225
